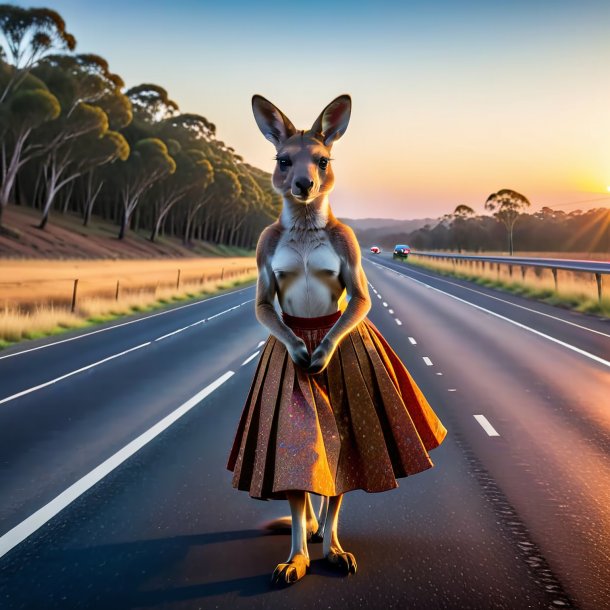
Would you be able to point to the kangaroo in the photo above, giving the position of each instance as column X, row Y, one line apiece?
column 331, row 408
column 308, row 259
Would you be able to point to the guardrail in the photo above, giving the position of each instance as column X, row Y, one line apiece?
column 597, row 268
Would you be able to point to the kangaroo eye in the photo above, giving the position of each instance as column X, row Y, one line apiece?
column 323, row 163
column 285, row 163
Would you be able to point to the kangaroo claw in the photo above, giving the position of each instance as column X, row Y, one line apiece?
column 345, row 562
column 291, row 572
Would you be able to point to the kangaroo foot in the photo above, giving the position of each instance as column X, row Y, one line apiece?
column 343, row 561
column 288, row 573
column 317, row 536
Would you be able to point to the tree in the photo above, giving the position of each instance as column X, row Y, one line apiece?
column 29, row 106
column 149, row 161
column 29, row 35
column 507, row 206
column 459, row 224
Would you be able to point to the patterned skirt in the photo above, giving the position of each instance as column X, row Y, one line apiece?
column 361, row 423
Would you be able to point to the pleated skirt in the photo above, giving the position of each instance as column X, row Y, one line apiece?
column 361, row 423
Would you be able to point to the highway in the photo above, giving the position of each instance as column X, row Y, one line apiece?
column 114, row 492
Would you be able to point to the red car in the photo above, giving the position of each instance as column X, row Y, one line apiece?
column 375, row 249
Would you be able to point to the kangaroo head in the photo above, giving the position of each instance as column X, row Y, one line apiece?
column 303, row 171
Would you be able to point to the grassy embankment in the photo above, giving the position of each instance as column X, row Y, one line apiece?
column 576, row 291
column 36, row 296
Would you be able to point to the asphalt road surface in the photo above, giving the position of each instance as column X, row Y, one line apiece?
column 113, row 445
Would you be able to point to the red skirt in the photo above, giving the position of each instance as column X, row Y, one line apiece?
column 361, row 423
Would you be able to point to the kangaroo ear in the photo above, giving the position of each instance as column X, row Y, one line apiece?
column 332, row 123
column 275, row 126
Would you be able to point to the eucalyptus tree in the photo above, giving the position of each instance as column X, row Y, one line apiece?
column 507, row 206
column 30, row 34
column 459, row 224
column 148, row 162
column 193, row 175
column 29, row 106
column 83, row 84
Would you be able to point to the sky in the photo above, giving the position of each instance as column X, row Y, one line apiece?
column 452, row 101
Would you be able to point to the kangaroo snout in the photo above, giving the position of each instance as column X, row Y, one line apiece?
column 301, row 187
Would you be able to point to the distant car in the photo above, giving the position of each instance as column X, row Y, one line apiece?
column 375, row 249
column 401, row 251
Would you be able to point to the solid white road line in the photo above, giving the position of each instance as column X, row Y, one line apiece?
column 398, row 322
column 252, row 357
column 412, row 341
column 582, row 352
column 427, row 360
column 27, row 527
column 84, row 368
column 103, row 330
column 486, row 425
column 490, row 296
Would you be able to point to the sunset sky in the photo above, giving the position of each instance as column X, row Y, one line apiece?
column 452, row 100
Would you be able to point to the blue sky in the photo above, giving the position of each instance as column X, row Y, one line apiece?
column 452, row 100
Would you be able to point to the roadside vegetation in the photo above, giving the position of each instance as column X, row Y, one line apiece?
column 576, row 291
column 44, row 318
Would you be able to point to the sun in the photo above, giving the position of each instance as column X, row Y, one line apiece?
column 608, row 188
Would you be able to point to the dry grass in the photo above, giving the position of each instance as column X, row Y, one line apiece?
column 30, row 283
column 575, row 290
column 27, row 320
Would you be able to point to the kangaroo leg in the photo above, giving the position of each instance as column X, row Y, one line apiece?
column 318, row 534
column 312, row 523
column 296, row 566
column 332, row 549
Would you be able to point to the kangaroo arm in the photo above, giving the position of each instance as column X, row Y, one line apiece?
column 359, row 304
column 266, row 290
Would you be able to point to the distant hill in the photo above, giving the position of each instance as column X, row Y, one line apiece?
column 385, row 232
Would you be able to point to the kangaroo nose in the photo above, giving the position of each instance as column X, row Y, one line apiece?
column 304, row 185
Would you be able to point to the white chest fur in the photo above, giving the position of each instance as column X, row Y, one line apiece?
column 307, row 273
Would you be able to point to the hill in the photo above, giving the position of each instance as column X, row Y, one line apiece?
column 66, row 238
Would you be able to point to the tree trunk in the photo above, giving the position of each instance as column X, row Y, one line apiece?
column 124, row 224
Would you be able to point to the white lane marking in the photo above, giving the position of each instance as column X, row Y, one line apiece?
column 103, row 330
column 261, row 343
column 486, row 425
column 490, row 296
column 412, row 341
column 427, row 360
column 252, row 357
column 582, row 352
column 175, row 332
column 391, row 311
column 27, row 527
column 398, row 322
column 439, row 373
column 384, row 304
column 451, row 390
column 84, row 368
column 378, row 296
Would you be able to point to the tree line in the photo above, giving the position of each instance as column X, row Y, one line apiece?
column 74, row 139
column 547, row 230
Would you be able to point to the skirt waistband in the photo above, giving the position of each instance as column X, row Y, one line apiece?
column 310, row 323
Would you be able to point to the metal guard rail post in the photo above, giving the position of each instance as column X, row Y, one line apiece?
column 598, row 268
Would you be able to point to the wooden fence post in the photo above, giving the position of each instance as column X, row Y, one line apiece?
column 74, row 295
column 116, row 296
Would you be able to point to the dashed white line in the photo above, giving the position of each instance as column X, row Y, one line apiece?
column 27, row 527
column 378, row 296
column 250, row 358
column 398, row 322
column 451, row 390
column 84, row 368
column 412, row 341
column 261, row 343
column 486, row 425
column 391, row 311
column 439, row 373
column 427, row 360
column 384, row 304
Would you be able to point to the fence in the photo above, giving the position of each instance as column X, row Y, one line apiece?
column 597, row 268
column 67, row 292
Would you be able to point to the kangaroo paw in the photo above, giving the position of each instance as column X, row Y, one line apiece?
column 288, row 573
column 345, row 562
